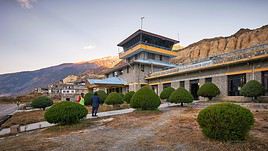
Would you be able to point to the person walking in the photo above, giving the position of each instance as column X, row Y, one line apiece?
column 95, row 104
column 82, row 100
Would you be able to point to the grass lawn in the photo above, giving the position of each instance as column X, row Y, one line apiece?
column 172, row 129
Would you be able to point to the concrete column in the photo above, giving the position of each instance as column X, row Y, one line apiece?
column 222, row 84
column 175, row 85
column 201, row 82
column 160, row 88
column 187, row 85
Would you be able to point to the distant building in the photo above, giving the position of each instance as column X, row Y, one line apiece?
column 67, row 91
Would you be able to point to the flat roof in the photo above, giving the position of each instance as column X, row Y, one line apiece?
column 148, row 33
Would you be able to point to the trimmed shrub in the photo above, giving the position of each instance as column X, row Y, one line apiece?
column 181, row 95
column 252, row 89
column 42, row 102
column 122, row 95
column 128, row 96
column 87, row 98
column 114, row 99
column 145, row 98
column 102, row 95
column 166, row 92
column 208, row 90
column 225, row 121
column 66, row 113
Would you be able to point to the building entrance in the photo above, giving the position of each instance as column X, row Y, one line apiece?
column 235, row 83
column 265, row 82
column 194, row 86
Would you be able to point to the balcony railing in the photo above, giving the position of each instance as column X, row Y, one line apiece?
column 257, row 50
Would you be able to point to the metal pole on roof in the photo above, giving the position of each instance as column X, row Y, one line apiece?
column 142, row 21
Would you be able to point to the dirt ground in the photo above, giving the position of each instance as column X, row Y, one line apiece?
column 174, row 128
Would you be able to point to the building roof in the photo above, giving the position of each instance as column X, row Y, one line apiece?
column 155, row 62
column 235, row 57
column 147, row 33
column 108, row 81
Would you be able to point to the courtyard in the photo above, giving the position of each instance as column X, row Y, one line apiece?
column 170, row 128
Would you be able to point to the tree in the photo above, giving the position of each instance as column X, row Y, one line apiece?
column 166, row 92
column 252, row 89
column 180, row 95
column 41, row 102
column 146, row 99
column 128, row 96
column 87, row 98
column 208, row 90
column 114, row 99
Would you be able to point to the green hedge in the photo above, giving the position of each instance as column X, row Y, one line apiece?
column 102, row 95
column 114, row 99
column 88, row 97
column 180, row 95
column 208, row 90
column 66, row 113
column 225, row 121
column 252, row 89
column 42, row 102
column 166, row 92
column 128, row 96
column 145, row 98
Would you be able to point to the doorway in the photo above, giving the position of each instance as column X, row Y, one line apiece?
column 265, row 82
column 194, row 86
column 235, row 83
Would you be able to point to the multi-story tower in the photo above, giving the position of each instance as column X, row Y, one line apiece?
column 143, row 53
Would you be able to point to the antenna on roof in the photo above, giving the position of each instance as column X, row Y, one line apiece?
column 142, row 21
column 178, row 37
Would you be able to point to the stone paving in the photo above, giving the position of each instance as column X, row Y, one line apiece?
column 44, row 124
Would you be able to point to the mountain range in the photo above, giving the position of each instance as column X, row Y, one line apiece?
column 14, row 84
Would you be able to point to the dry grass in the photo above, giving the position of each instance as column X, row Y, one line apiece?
column 175, row 129
column 23, row 118
column 105, row 107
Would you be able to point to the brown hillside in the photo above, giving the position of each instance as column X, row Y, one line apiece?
column 244, row 38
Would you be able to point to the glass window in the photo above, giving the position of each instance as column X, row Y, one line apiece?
column 182, row 84
column 165, row 85
column 142, row 68
column 208, row 79
column 235, row 83
column 265, row 82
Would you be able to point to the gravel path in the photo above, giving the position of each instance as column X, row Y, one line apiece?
column 112, row 139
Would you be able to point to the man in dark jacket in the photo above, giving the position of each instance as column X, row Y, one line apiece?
column 95, row 104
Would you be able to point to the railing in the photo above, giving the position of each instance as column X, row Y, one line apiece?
column 120, row 53
column 216, row 59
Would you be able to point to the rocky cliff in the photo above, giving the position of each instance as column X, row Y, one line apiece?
column 244, row 38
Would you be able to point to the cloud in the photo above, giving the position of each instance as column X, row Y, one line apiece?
column 27, row 4
column 88, row 47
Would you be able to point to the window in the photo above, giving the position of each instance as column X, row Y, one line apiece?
column 208, row 80
column 165, row 85
column 235, row 82
column 264, row 78
column 151, row 56
column 113, row 74
column 182, row 84
column 136, row 56
column 160, row 57
column 142, row 68
column 120, row 72
column 127, row 69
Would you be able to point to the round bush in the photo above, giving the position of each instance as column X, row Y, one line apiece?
column 87, row 98
column 252, row 89
column 166, row 92
column 181, row 95
column 66, row 113
column 145, row 98
column 208, row 90
column 225, row 121
column 128, row 96
column 114, row 99
column 42, row 102
column 102, row 96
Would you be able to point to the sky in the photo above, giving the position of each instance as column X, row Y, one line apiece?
column 39, row 33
